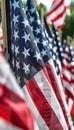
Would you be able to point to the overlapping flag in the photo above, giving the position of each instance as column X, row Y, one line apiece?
column 43, row 66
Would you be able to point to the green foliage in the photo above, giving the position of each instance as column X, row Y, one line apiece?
column 24, row 4
column 68, row 28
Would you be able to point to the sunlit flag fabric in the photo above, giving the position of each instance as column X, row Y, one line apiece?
column 59, row 89
column 26, row 60
column 70, row 103
column 37, row 88
column 36, row 24
column 13, row 107
column 67, row 6
column 67, row 69
column 56, row 13
column 4, row 125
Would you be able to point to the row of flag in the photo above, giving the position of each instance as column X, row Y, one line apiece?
column 43, row 67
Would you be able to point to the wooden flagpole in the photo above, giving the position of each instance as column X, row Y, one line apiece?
column 41, row 14
column 4, row 27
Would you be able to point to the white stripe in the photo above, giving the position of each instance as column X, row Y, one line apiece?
column 68, row 74
column 64, row 101
column 41, row 123
column 67, row 49
column 61, row 91
column 7, row 126
column 55, row 4
column 7, row 78
column 60, row 21
column 70, row 103
column 68, row 87
column 43, row 84
column 66, row 63
column 66, row 56
column 72, row 63
column 55, row 13
column 1, row 41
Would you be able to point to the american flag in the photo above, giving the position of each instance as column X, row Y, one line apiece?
column 35, row 23
column 53, row 33
column 13, row 107
column 67, row 69
column 57, row 13
column 29, row 67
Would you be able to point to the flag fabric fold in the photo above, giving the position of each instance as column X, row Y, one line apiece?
column 29, row 65
column 13, row 107
column 57, row 13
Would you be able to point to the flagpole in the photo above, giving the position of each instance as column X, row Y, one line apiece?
column 6, row 25
column 4, row 28
column 41, row 14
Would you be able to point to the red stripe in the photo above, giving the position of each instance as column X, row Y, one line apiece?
column 67, row 7
column 67, row 59
column 69, row 94
column 72, row 110
column 56, row 90
column 66, row 79
column 42, row 105
column 68, row 68
column 16, row 109
column 55, row 9
column 65, row 67
column 67, row 52
column 60, row 26
column 58, row 17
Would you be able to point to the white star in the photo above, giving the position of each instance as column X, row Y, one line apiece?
column 58, row 38
column 33, row 10
column 17, row 65
column 26, row 68
column 72, row 52
column 16, row 50
column 37, row 40
column 43, row 34
column 13, row 62
column 53, row 57
column 50, row 45
column 31, row 19
column 61, row 49
column 37, row 56
column 54, row 42
column 57, row 68
column 26, row 37
column 38, row 21
column 25, row 22
column 44, row 43
column 37, row 30
column 54, row 49
column 44, row 52
column 15, row 4
column 18, row 79
column 59, row 43
column 15, row 19
column 16, row 35
column 31, row 28
column 50, row 39
column 26, row 52
column 12, row 47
